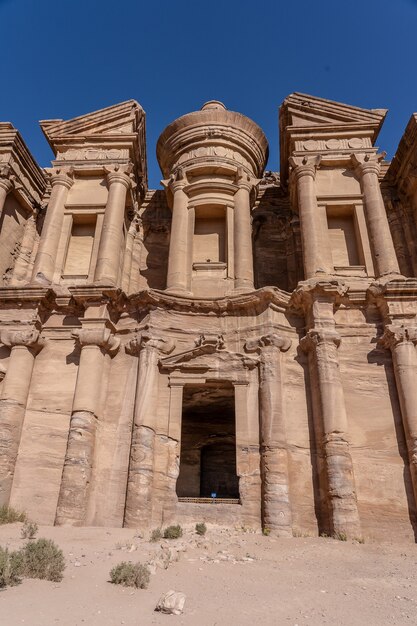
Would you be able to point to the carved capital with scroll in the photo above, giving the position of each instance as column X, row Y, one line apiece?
column 304, row 166
column 146, row 340
column 317, row 337
column 101, row 337
column 30, row 338
column 271, row 340
column 398, row 334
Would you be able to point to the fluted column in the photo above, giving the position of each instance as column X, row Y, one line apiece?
column 78, row 464
column 276, row 508
column 402, row 342
column 6, row 185
column 179, row 268
column 316, row 252
column 141, row 464
column 44, row 266
column 24, row 344
column 109, row 250
column 322, row 345
column 242, row 230
column 368, row 168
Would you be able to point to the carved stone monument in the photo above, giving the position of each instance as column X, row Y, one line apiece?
column 238, row 346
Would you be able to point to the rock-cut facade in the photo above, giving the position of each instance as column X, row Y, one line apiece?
column 236, row 347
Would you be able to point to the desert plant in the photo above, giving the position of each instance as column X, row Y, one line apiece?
column 156, row 535
column 43, row 559
column 173, row 532
column 9, row 515
column 201, row 528
column 266, row 531
column 10, row 567
column 130, row 575
column 340, row 536
column 29, row 530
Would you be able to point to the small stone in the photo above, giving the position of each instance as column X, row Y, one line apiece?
column 171, row 602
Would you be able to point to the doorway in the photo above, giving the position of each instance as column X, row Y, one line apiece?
column 208, row 442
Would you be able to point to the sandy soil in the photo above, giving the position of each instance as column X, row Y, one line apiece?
column 229, row 577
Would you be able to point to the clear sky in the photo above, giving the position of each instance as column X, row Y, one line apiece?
column 61, row 59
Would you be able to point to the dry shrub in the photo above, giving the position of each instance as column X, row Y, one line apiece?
column 201, row 528
column 173, row 532
column 29, row 530
column 156, row 535
column 43, row 559
column 9, row 515
column 10, row 567
column 130, row 575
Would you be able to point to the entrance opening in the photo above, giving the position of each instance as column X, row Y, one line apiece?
column 208, row 443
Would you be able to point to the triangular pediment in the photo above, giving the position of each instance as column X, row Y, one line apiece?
column 120, row 119
column 302, row 110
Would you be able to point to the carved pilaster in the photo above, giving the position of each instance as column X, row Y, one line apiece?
column 95, row 343
column 401, row 339
column 24, row 345
column 276, row 506
column 322, row 344
column 147, row 347
column 6, row 184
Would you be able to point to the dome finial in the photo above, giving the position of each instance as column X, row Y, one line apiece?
column 213, row 104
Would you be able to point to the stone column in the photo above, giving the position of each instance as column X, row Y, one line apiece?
column 109, row 250
column 24, row 344
column 78, row 464
column 323, row 345
column 402, row 341
column 141, row 464
column 6, row 185
column 44, row 266
column 367, row 167
column 179, row 267
column 316, row 253
column 276, row 508
column 242, row 231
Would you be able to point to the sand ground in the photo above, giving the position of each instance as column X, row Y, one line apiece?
column 229, row 577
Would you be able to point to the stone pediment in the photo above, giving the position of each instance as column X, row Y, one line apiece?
column 311, row 125
column 302, row 110
column 119, row 119
column 209, row 354
column 115, row 134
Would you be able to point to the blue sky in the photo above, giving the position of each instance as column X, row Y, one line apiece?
column 62, row 59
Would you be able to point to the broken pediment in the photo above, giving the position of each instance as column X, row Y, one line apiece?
column 303, row 110
column 120, row 119
column 311, row 125
column 115, row 134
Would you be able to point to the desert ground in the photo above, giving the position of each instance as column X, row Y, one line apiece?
column 230, row 577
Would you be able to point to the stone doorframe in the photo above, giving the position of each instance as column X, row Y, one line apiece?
column 209, row 360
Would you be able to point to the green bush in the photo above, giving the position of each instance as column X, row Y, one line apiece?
column 156, row 535
column 173, row 532
column 43, row 559
column 8, row 515
column 10, row 567
column 29, row 530
column 340, row 536
column 130, row 575
column 201, row 528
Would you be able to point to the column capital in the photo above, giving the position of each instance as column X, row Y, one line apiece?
column 272, row 340
column 6, row 178
column 119, row 175
column 395, row 334
column 316, row 337
column 28, row 338
column 63, row 176
column 245, row 181
column 146, row 340
column 367, row 163
column 305, row 165
column 101, row 337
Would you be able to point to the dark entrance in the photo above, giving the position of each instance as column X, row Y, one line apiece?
column 208, row 442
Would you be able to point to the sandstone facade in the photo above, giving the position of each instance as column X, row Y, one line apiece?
column 239, row 347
